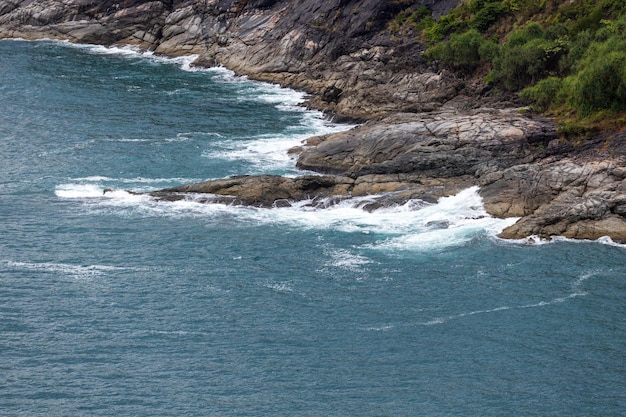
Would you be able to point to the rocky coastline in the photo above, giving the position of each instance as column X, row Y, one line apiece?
column 425, row 132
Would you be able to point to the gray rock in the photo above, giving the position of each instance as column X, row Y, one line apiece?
column 438, row 145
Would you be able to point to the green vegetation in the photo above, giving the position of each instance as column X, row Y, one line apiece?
column 464, row 51
column 565, row 57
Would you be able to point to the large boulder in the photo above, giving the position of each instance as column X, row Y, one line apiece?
column 440, row 144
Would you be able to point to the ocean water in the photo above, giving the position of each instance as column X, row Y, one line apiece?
column 120, row 305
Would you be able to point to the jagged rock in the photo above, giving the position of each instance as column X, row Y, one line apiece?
column 575, row 197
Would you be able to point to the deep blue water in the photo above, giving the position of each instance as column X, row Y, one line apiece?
column 119, row 305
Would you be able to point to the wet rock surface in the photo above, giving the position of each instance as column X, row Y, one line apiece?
column 261, row 190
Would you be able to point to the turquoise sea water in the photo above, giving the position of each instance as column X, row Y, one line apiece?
column 119, row 305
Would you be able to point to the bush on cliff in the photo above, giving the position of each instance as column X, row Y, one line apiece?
column 563, row 56
column 465, row 51
column 597, row 75
column 487, row 14
column 528, row 55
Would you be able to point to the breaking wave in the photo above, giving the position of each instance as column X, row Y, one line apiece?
column 415, row 225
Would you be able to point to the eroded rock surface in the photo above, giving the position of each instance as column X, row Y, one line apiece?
column 441, row 144
column 261, row 190
column 581, row 195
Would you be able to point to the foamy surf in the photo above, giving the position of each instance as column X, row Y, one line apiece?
column 249, row 90
column 283, row 98
column 535, row 240
column 268, row 152
column 65, row 269
column 97, row 186
column 415, row 225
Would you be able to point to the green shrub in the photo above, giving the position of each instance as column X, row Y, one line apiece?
column 575, row 51
column 474, row 6
column 421, row 19
column 527, row 56
column 601, row 84
column 488, row 15
column 447, row 24
column 464, row 51
column 525, row 34
column 545, row 94
column 420, row 14
column 398, row 21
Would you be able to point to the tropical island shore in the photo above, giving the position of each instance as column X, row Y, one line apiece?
column 429, row 127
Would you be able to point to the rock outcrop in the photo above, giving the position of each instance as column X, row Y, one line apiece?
column 429, row 133
column 577, row 193
column 522, row 167
column 261, row 190
column 441, row 144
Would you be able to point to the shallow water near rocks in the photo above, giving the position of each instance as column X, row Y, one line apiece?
column 117, row 304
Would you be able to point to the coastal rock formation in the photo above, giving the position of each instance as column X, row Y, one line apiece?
column 579, row 195
column 429, row 133
column 331, row 48
column 261, row 190
column 440, row 144
column 522, row 167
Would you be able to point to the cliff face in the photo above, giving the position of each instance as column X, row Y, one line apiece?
column 429, row 134
column 334, row 48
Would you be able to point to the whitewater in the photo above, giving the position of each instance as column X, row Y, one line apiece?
column 119, row 304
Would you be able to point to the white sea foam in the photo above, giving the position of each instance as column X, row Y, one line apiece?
column 269, row 152
column 452, row 221
column 575, row 292
column 415, row 225
column 71, row 270
column 136, row 180
column 282, row 287
column 378, row 328
column 345, row 260
column 262, row 153
column 185, row 62
column 104, row 50
column 538, row 241
column 93, row 188
column 75, row 191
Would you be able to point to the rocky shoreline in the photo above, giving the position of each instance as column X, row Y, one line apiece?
column 427, row 132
